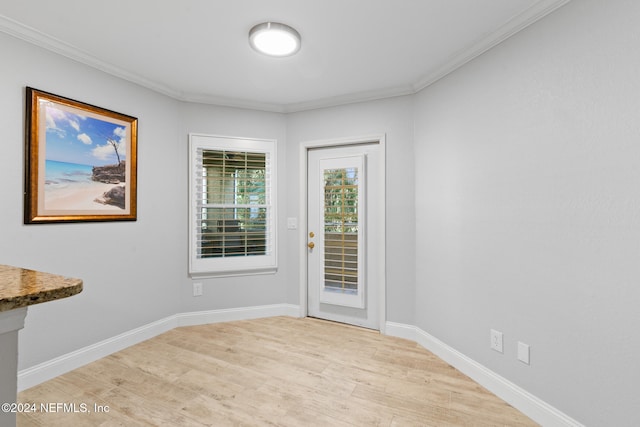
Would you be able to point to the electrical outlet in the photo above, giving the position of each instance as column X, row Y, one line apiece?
column 523, row 352
column 197, row 289
column 496, row 341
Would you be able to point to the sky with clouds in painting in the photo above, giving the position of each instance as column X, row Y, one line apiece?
column 75, row 138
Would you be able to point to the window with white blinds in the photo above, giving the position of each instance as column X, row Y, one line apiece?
column 232, row 215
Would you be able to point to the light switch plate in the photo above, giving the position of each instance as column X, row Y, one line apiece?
column 523, row 352
column 197, row 289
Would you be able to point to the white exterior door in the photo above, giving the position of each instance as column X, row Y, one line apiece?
column 343, row 234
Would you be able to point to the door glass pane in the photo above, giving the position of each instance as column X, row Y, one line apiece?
column 341, row 230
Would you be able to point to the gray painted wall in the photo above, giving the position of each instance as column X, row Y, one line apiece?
column 130, row 270
column 524, row 220
column 528, row 209
column 392, row 117
column 135, row 272
column 246, row 291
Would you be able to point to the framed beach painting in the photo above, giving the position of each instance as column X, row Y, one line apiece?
column 80, row 161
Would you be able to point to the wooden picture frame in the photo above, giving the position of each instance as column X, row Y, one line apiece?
column 80, row 161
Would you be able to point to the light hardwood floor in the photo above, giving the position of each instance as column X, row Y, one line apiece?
column 276, row 371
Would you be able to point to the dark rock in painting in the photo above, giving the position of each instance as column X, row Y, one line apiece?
column 115, row 197
column 110, row 174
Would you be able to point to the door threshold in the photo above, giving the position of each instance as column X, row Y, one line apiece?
column 348, row 325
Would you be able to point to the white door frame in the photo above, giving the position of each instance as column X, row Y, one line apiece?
column 381, row 268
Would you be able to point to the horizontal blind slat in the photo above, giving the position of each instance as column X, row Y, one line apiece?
column 233, row 214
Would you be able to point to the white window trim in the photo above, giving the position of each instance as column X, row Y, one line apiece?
column 232, row 266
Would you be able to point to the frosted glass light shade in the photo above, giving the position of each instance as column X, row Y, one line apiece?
column 274, row 39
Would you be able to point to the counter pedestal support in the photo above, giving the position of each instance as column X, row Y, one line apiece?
column 10, row 323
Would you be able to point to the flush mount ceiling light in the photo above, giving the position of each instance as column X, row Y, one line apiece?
column 274, row 39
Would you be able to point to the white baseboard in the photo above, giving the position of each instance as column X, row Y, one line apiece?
column 231, row 314
column 536, row 409
column 52, row 368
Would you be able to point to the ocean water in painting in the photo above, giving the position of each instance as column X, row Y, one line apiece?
column 74, row 144
column 63, row 174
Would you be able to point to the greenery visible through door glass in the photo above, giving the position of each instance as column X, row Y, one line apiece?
column 341, row 230
column 341, row 200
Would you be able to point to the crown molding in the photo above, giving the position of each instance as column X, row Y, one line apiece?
column 539, row 10
column 223, row 101
column 351, row 98
column 536, row 12
column 52, row 44
column 332, row 101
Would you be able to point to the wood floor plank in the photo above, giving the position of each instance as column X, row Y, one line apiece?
column 278, row 371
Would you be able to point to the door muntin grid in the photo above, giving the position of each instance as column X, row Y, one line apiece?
column 342, row 209
column 341, row 230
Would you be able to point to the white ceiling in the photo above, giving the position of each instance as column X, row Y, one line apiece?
column 197, row 50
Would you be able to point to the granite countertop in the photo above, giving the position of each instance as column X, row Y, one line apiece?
column 20, row 287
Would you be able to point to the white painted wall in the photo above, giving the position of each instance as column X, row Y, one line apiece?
column 528, row 212
column 392, row 117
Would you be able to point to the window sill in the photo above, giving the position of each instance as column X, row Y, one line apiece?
column 231, row 273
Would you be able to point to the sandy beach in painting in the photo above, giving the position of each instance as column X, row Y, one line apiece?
column 69, row 186
column 78, row 196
